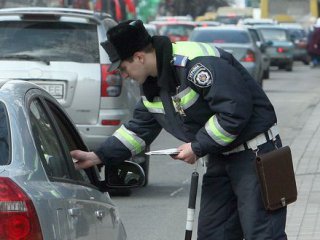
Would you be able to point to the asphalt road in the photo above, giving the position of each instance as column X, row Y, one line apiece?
column 158, row 211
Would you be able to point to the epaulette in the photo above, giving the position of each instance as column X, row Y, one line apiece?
column 180, row 60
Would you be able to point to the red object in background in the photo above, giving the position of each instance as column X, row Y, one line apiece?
column 82, row 4
column 98, row 5
column 117, row 7
column 130, row 6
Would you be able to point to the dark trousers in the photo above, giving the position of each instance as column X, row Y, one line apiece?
column 231, row 206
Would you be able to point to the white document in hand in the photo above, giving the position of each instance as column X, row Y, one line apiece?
column 169, row 151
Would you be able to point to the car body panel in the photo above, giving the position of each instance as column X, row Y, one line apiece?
column 235, row 40
column 69, row 206
column 299, row 37
column 62, row 51
column 175, row 30
column 281, row 47
column 262, row 44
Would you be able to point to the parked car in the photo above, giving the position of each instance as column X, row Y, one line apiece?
column 152, row 29
column 281, row 47
column 235, row 40
column 254, row 21
column 263, row 45
column 207, row 23
column 42, row 195
column 175, row 30
column 300, row 40
column 174, row 18
column 59, row 49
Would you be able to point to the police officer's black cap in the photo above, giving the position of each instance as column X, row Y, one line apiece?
column 124, row 40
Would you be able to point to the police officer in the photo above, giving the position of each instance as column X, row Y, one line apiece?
column 203, row 96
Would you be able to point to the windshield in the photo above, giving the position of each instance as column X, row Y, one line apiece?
column 4, row 136
column 177, row 29
column 52, row 41
column 274, row 34
column 221, row 36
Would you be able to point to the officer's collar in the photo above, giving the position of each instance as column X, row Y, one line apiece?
column 163, row 48
column 165, row 79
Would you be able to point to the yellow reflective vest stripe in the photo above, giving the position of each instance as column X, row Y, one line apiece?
column 154, row 107
column 130, row 140
column 194, row 49
column 217, row 133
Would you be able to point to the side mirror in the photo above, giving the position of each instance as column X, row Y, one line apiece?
column 126, row 175
column 269, row 43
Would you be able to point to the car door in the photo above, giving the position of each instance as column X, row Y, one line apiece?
column 87, row 203
column 71, row 201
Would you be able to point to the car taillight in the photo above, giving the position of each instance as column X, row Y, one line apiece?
column 106, row 122
column 249, row 57
column 18, row 216
column 281, row 50
column 111, row 82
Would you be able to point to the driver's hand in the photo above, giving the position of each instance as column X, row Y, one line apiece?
column 83, row 160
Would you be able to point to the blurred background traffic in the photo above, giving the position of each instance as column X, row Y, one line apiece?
column 285, row 34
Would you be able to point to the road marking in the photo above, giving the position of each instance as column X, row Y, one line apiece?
column 175, row 192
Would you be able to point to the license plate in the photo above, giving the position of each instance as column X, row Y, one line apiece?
column 55, row 89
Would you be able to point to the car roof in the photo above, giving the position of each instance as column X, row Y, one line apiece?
column 56, row 12
column 222, row 27
column 174, row 18
column 191, row 23
column 291, row 25
column 270, row 26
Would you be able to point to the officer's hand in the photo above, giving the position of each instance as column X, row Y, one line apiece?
column 83, row 159
column 186, row 154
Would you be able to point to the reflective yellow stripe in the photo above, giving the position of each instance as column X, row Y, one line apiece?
column 192, row 49
column 130, row 139
column 157, row 105
column 217, row 133
column 188, row 97
column 210, row 50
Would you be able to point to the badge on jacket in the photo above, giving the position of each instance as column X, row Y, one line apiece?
column 200, row 76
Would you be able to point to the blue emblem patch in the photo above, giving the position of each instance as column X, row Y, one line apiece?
column 200, row 76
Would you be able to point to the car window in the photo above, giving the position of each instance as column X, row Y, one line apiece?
column 221, row 36
column 4, row 136
column 71, row 139
column 47, row 142
column 52, row 154
column 297, row 33
column 274, row 34
column 177, row 30
column 255, row 35
column 54, row 41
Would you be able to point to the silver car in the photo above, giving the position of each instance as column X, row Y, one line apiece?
column 235, row 40
column 42, row 195
column 59, row 50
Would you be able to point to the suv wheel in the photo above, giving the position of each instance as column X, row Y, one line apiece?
column 289, row 67
column 266, row 74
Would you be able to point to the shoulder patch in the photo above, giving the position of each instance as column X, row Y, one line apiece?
column 200, row 76
column 180, row 60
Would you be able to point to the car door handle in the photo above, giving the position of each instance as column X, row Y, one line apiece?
column 74, row 212
column 100, row 214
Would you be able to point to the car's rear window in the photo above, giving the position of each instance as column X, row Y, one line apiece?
column 274, row 34
column 176, row 29
column 52, row 41
column 221, row 36
column 4, row 136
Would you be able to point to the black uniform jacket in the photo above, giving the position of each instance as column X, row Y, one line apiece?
column 230, row 94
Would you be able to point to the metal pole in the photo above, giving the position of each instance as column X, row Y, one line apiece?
column 192, row 204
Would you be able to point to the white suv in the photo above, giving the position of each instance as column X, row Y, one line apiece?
column 59, row 49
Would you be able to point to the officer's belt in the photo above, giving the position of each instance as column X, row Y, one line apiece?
column 254, row 143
